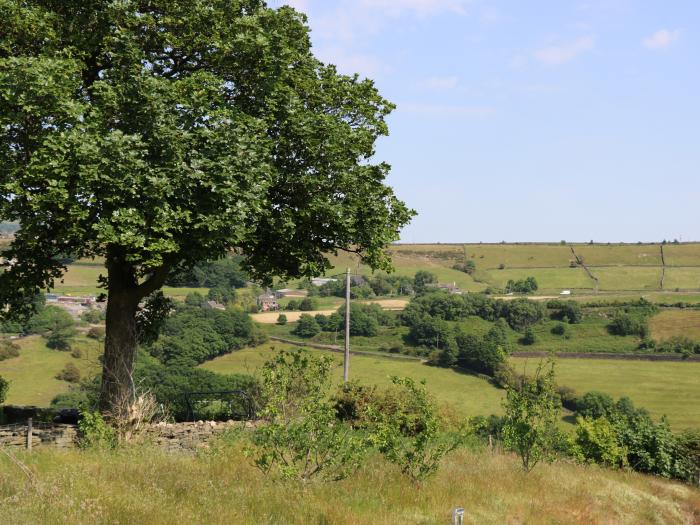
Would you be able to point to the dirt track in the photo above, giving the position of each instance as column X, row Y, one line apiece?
column 292, row 317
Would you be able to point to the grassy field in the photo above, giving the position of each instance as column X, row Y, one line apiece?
column 663, row 388
column 675, row 323
column 468, row 394
column 627, row 277
column 32, row 374
column 548, row 279
column 619, row 267
column 622, row 254
column 682, row 254
column 220, row 486
column 684, row 278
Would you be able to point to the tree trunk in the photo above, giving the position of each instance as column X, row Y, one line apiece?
column 120, row 341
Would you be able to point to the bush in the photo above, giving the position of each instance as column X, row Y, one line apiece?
column 60, row 340
column 92, row 316
column 97, row 332
column 70, row 373
column 169, row 383
column 281, row 319
column 628, row 324
column 76, row 353
column 596, row 441
column 306, row 326
column 417, row 453
column 308, row 304
column 50, row 319
column 531, row 414
column 594, row 405
column 568, row 311
column 194, row 335
column 527, row 285
column 293, row 304
column 94, row 431
column 8, row 349
column 302, row 438
column 195, row 299
column 529, row 337
column 559, row 329
column 468, row 267
column 4, row 387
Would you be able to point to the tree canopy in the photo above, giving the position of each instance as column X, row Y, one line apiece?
column 157, row 134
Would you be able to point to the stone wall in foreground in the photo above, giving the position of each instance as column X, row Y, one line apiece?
column 169, row 436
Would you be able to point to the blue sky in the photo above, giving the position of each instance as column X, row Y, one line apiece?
column 531, row 121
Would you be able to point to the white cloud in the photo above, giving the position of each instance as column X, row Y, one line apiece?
column 441, row 83
column 561, row 54
column 662, row 39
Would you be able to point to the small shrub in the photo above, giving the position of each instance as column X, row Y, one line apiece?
column 596, row 441
column 307, row 304
column 69, row 373
column 531, row 414
column 96, row 332
column 95, row 432
column 559, row 329
column 306, row 326
column 8, row 349
column 76, row 353
column 60, row 340
column 419, row 454
column 4, row 387
column 92, row 316
column 281, row 319
column 302, row 438
column 529, row 337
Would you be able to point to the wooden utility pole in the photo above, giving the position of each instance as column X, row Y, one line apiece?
column 346, row 361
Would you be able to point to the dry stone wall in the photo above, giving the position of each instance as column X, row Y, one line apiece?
column 172, row 437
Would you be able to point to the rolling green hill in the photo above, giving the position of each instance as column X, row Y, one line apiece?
column 617, row 267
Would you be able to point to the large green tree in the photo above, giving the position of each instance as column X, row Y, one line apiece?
column 159, row 133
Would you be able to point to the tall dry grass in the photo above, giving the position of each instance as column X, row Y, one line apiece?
column 141, row 485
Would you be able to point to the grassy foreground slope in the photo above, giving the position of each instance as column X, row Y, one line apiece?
column 220, row 486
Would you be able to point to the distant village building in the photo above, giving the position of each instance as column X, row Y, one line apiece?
column 268, row 302
column 450, row 287
column 320, row 281
column 214, row 305
column 565, row 292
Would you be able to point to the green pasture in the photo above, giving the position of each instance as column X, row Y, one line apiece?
column 682, row 254
column 685, row 278
column 627, row 277
column 663, row 388
column 466, row 393
column 619, row 254
column 553, row 279
column 32, row 374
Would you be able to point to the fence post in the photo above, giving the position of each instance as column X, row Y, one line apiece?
column 29, row 434
column 458, row 516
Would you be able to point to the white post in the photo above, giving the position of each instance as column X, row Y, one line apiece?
column 458, row 516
